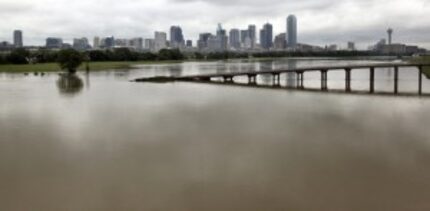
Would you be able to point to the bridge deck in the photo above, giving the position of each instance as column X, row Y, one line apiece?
column 277, row 72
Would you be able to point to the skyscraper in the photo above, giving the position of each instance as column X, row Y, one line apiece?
column 266, row 36
column 252, row 33
column 149, row 44
column 280, row 41
column 202, row 43
column 291, row 31
column 221, row 35
column 176, row 37
column 160, row 41
column 136, row 44
column 243, row 35
column 96, row 43
column 81, row 44
column 235, row 38
column 17, row 39
column 53, row 42
column 108, row 42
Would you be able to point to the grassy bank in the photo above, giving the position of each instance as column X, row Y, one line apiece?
column 94, row 66
column 423, row 60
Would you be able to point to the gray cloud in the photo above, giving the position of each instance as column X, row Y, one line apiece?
column 320, row 21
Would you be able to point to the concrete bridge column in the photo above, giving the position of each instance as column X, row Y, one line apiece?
column 228, row 79
column 396, row 79
column 324, row 79
column 276, row 78
column 302, row 76
column 420, row 80
column 348, row 79
column 252, row 78
column 372, row 80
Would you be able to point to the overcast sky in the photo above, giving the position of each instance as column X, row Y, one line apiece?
column 320, row 22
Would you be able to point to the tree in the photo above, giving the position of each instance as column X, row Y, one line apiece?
column 18, row 56
column 125, row 54
column 166, row 54
column 70, row 60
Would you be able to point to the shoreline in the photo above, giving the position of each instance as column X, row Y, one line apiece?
column 118, row 65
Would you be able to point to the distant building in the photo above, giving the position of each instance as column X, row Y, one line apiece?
column 311, row 48
column 243, row 35
column 397, row 49
column 18, row 39
column 332, row 47
column 5, row 46
column 189, row 43
column 81, row 44
column 378, row 46
column 96, row 43
column 291, row 31
column 149, row 44
column 222, row 37
column 252, row 34
column 351, row 46
column 280, row 41
column 160, row 41
column 176, row 37
column 266, row 36
column 235, row 38
column 54, row 43
column 121, row 43
column 136, row 44
column 202, row 43
column 107, row 43
column 248, row 44
column 218, row 42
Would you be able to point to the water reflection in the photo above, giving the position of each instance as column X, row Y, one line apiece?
column 266, row 66
column 175, row 70
column 70, row 84
column 205, row 147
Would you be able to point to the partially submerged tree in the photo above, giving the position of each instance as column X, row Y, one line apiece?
column 70, row 60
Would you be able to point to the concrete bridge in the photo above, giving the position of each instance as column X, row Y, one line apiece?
column 228, row 78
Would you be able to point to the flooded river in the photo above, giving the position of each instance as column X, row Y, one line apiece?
column 100, row 142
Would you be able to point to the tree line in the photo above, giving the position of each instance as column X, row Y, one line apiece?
column 23, row 56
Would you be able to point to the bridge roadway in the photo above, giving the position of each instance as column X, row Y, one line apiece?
column 252, row 75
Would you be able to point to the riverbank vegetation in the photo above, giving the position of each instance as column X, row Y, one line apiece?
column 423, row 60
column 21, row 60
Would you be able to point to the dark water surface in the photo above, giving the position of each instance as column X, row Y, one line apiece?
column 99, row 142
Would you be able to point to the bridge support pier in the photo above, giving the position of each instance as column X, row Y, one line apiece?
column 396, row 80
column 300, row 80
column 204, row 79
column 348, row 80
column 372, row 80
column 252, row 79
column 420, row 80
column 324, row 80
column 276, row 79
column 228, row 79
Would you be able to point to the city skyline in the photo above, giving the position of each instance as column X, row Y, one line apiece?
column 343, row 21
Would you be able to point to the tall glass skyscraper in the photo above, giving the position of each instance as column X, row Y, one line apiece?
column 176, row 37
column 266, row 36
column 252, row 33
column 291, row 31
column 235, row 38
column 17, row 39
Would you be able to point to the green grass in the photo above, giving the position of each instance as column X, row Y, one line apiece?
column 94, row 66
column 423, row 60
